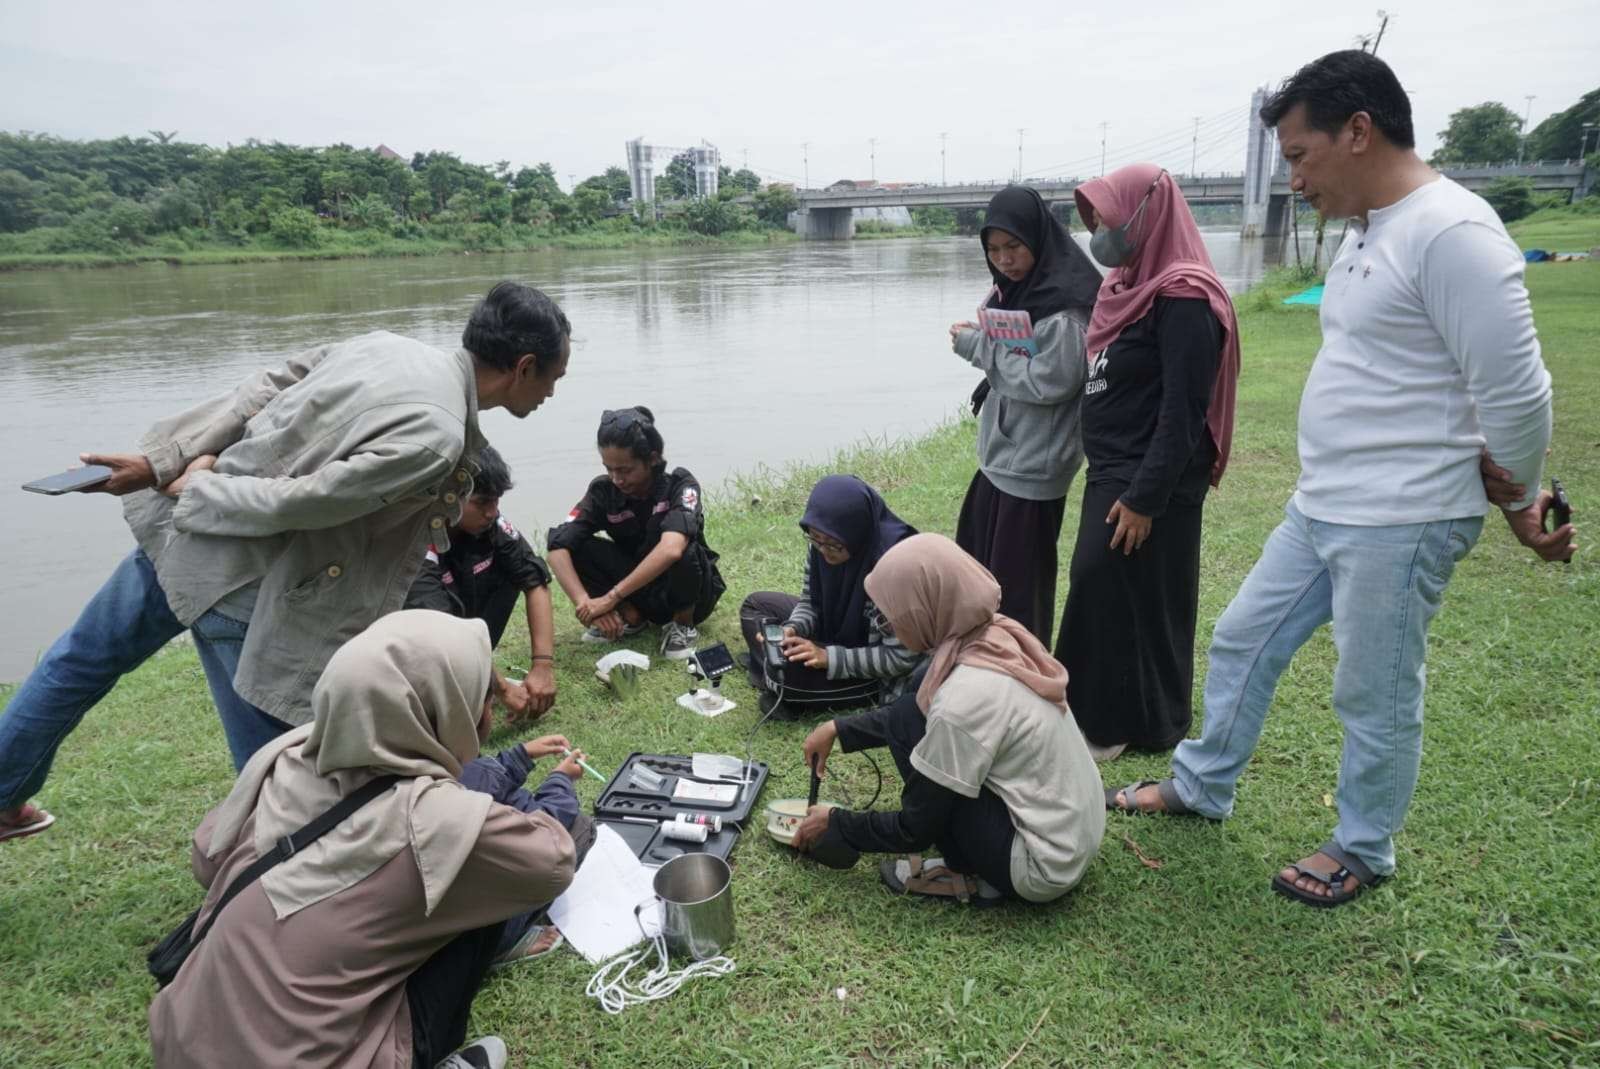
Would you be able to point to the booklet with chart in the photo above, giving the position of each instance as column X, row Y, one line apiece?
column 1013, row 329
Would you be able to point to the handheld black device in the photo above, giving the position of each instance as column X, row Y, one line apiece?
column 772, row 645
column 68, row 481
column 1560, row 507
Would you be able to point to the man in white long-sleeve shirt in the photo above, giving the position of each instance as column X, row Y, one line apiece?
column 1429, row 361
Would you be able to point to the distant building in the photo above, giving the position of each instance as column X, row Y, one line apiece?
column 387, row 153
column 642, row 159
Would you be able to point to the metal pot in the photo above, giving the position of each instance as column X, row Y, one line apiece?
column 696, row 893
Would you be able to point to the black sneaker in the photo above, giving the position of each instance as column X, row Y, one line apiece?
column 677, row 641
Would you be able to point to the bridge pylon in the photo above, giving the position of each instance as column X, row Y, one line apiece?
column 1265, row 213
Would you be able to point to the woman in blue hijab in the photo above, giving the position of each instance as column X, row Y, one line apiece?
column 838, row 652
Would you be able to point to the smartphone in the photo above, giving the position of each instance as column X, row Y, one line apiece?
column 68, row 481
column 772, row 636
column 1560, row 508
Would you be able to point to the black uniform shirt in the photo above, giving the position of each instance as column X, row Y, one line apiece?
column 1145, row 402
column 636, row 524
column 461, row 580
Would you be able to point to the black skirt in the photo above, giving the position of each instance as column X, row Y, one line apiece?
column 1127, row 633
column 1015, row 539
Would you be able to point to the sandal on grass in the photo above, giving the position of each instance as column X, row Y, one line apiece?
column 528, row 947
column 30, row 820
column 1333, row 880
column 1165, row 787
column 909, row 875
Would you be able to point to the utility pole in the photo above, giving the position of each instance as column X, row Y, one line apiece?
column 872, row 150
column 1383, row 24
column 944, row 179
column 1522, row 142
column 746, row 152
column 572, row 182
column 1194, row 150
column 1020, row 132
column 1103, row 148
column 805, row 161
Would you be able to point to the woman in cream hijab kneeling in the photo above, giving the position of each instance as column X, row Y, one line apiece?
column 997, row 775
column 366, row 948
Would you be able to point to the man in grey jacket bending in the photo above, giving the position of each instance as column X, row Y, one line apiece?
column 279, row 521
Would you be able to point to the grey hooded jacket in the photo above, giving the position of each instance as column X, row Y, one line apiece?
column 1030, row 441
column 334, row 473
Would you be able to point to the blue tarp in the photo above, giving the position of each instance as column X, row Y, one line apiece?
column 1535, row 256
column 1312, row 296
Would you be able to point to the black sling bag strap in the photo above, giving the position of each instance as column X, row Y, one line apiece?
column 170, row 954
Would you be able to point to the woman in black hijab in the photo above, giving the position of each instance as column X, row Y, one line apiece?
column 836, row 652
column 1030, row 347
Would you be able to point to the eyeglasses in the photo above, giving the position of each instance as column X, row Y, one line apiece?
column 826, row 545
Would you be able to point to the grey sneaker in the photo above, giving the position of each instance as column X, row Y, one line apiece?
column 677, row 641
column 486, row 1053
column 594, row 634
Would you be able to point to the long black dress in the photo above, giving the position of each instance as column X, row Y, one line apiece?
column 1127, row 633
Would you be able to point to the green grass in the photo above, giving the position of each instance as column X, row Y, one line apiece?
column 1568, row 228
column 1481, row 953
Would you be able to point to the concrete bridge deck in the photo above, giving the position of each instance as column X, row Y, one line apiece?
column 829, row 213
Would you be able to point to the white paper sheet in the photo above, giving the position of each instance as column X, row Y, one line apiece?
column 596, row 912
column 688, row 790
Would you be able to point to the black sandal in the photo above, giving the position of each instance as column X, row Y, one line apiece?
column 1169, row 798
column 1334, row 881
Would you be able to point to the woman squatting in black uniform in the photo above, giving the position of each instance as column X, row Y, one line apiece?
column 656, row 567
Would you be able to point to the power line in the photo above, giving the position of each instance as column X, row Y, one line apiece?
column 1133, row 148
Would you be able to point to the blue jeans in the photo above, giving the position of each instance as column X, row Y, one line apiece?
column 1381, row 586
column 126, row 622
column 219, row 639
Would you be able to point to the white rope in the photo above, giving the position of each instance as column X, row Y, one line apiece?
column 610, row 984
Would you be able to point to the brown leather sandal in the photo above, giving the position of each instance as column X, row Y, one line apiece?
column 932, row 881
column 30, row 820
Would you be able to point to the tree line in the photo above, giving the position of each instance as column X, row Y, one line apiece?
column 1492, row 133
column 108, row 196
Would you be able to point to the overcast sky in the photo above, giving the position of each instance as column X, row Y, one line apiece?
column 569, row 83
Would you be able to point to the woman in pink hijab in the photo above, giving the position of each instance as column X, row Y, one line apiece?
column 997, row 775
column 1157, row 424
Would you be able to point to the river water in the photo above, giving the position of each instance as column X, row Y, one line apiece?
column 748, row 356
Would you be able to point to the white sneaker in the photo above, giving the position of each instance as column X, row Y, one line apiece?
column 678, row 641
column 486, row 1053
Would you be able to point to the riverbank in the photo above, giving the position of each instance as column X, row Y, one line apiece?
column 1172, row 952
column 357, row 244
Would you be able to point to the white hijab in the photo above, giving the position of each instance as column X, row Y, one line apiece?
column 401, row 698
